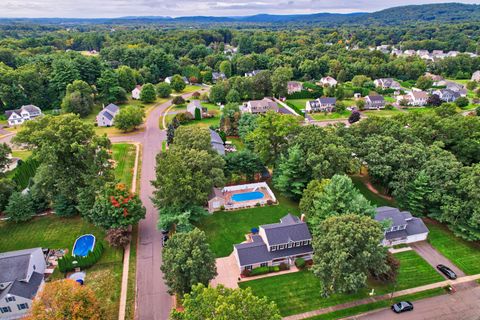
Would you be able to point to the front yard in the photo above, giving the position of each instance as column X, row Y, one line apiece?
column 465, row 255
column 226, row 228
column 124, row 156
column 300, row 292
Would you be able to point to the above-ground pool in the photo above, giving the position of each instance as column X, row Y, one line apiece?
column 247, row 196
column 83, row 245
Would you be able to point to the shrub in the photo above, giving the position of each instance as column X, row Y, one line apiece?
column 118, row 237
column 462, row 102
column 354, row 117
column 269, row 202
column 66, row 264
column 300, row 263
column 391, row 274
column 301, row 95
column 163, row 90
column 183, row 117
column 389, row 107
column 283, row 266
column 178, row 100
column 20, row 207
column 246, row 273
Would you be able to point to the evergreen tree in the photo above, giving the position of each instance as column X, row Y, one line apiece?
column 20, row 207
column 290, row 176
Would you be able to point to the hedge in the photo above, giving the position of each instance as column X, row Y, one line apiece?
column 301, row 95
column 294, row 107
column 264, row 270
column 65, row 263
column 25, row 172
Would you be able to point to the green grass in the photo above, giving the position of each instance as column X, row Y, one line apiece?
column 237, row 142
column 301, row 291
column 124, row 156
column 299, row 103
column 420, row 110
column 465, row 255
column 22, row 154
column 359, row 182
column 378, row 305
column 207, row 122
column 389, row 99
column 322, row 116
column 130, row 308
column 224, row 229
column 382, row 113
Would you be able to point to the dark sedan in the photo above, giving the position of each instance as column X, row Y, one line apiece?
column 402, row 307
column 447, row 272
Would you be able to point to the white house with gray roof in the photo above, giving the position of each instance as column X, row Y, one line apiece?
column 374, row 102
column 106, row 117
column 25, row 113
column 387, row 83
column 21, row 278
column 321, row 105
column 276, row 243
column 260, row 106
column 402, row 228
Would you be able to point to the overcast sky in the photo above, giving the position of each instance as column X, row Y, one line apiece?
column 118, row 8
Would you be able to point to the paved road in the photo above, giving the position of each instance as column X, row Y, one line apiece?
column 463, row 305
column 434, row 258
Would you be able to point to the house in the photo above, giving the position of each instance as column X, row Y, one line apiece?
column 169, row 80
column 261, row 106
column 21, row 278
column 327, row 82
column 217, row 76
column 252, row 73
column 387, row 83
column 374, row 102
column 402, row 228
column 217, row 143
column 396, row 52
column 194, row 105
column 105, row 118
column 457, row 87
column 25, row 113
column 275, row 243
column 435, row 78
column 321, row 105
column 416, row 98
column 294, row 86
column 453, row 53
column 136, row 92
column 447, row 95
column 409, row 53
column 476, row 76
column 421, row 53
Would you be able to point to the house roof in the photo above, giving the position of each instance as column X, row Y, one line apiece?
column 377, row 98
column 399, row 218
column 30, row 108
column 257, row 252
column 289, row 229
column 217, row 142
column 419, row 95
column 327, row 100
column 109, row 111
column 14, row 265
column 265, row 102
column 28, row 289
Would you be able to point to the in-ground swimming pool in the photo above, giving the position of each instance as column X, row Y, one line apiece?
column 247, row 196
column 83, row 245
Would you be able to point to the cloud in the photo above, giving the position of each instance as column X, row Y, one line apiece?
column 117, row 8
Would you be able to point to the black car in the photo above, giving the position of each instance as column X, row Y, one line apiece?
column 402, row 307
column 164, row 239
column 447, row 272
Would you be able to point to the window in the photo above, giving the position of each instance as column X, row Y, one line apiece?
column 264, row 264
column 34, row 268
column 273, row 248
column 248, row 268
column 281, row 247
column 5, row 309
column 22, row 306
column 290, row 245
column 8, row 299
column 305, row 242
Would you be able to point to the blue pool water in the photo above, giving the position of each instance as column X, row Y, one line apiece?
column 247, row 196
column 83, row 245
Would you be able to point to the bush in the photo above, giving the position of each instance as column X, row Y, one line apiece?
column 118, row 237
column 20, row 207
column 283, row 266
column 392, row 273
column 354, row 117
column 300, row 263
column 178, row 100
column 389, row 107
column 183, row 117
column 462, row 102
column 66, row 264
column 301, row 95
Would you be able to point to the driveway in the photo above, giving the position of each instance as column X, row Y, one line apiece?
column 462, row 305
column 228, row 272
column 434, row 258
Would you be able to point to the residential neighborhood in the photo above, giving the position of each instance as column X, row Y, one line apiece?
column 239, row 161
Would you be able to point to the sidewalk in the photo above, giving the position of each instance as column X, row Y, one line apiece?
column 286, row 107
column 351, row 304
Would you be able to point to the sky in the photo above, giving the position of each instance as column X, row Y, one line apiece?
column 175, row 8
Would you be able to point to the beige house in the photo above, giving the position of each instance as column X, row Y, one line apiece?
column 260, row 106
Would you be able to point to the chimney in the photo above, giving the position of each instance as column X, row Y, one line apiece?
column 302, row 217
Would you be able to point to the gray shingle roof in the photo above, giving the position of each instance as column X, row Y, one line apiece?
column 256, row 252
column 376, row 98
column 217, row 142
column 287, row 230
column 328, row 100
column 399, row 218
column 113, row 108
column 14, row 267
column 28, row 289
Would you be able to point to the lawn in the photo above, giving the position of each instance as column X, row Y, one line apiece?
column 359, row 182
column 382, row 113
column 22, row 154
column 465, row 255
column 301, row 291
column 237, row 142
column 420, row 110
column 322, row 116
column 378, row 305
column 299, row 103
column 124, row 156
column 224, row 229
column 205, row 122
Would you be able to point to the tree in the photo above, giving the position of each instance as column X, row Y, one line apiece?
column 347, row 250
column 233, row 96
column 164, row 90
column 64, row 72
column 179, row 219
column 246, row 124
column 290, row 176
column 393, row 268
column 462, row 102
column 446, row 110
column 178, row 100
column 148, row 93
column 63, row 299
column 354, row 117
column 280, row 78
column 5, row 152
column 271, row 135
column 418, row 191
column 424, row 82
column 78, row 99
column 187, row 261
column 218, row 93
column 262, row 84
column 224, row 303
column 177, row 83
column 360, row 103
column 116, row 208
column 472, row 85
column 338, row 197
column 118, row 237
column 360, row 80
column 74, row 161
column 109, row 88
column 20, row 207
column 192, row 138
column 243, row 163
column 126, row 78
column 226, row 68
column 129, row 118
column 434, row 100
column 7, row 187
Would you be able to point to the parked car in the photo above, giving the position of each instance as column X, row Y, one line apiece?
column 164, row 239
column 402, row 307
column 447, row 272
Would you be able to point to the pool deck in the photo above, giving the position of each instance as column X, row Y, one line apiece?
column 248, row 203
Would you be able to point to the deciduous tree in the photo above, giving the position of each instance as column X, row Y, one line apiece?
column 129, row 118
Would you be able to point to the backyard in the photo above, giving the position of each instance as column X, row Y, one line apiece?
column 226, row 228
column 465, row 255
column 379, row 201
column 301, row 291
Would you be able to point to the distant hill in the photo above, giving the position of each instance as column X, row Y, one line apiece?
column 441, row 12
